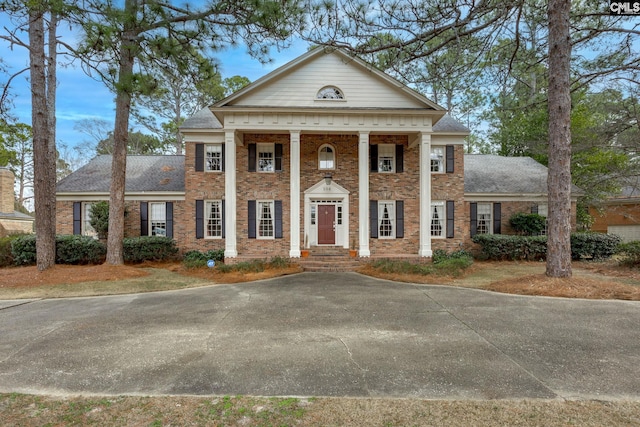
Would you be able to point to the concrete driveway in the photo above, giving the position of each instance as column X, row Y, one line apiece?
column 338, row 334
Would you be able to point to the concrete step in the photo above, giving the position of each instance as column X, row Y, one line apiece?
column 327, row 259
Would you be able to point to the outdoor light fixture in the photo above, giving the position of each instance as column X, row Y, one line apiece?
column 327, row 179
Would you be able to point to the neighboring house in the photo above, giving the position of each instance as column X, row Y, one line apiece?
column 11, row 221
column 620, row 214
column 325, row 151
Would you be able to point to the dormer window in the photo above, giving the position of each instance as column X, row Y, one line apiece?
column 330, row 92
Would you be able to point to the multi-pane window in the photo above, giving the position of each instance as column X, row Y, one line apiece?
column 265, row 219
column 484, row 218
column 386, row 157
column 158, row 220
column 438, row 219
column 326, row 157
column 266, row 158
column 437, row 159
column 329, row 92
column 87, row 229
column 213, row 157
column 386, row 219
column 213, row 218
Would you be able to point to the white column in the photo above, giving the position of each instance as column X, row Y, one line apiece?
column 425, row 195
column 294, row 190
column 230, row 244
column 363, row 195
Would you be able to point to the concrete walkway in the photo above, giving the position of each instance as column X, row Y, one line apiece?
column 336, row 334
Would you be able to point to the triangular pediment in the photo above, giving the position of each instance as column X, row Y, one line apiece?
column 296, row 85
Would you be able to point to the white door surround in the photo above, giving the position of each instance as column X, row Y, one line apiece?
column 323, row 194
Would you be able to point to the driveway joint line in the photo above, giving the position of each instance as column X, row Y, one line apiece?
column 494, row 346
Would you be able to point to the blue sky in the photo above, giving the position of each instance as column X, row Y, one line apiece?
column 81, row 97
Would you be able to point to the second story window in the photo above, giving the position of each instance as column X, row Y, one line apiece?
column 265, row 158
column 437, row 159
column 326, row 157
column 213, row 157
column 386, row 157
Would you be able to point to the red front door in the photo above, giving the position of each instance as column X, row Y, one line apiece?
column 326, row 225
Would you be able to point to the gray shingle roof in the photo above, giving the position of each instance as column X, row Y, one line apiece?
column 449, row 124
column 203, row 119
column 144, row 173
column 488, row 173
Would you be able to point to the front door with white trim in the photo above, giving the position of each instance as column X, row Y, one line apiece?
column 326, row 224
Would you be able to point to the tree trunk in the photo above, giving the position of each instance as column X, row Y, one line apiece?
column 128, row 49
column 44, row 179
column 559, row 180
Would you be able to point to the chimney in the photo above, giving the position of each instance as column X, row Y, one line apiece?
column 7, row 194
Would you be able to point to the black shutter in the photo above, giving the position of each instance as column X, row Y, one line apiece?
column 373, row 218
column 278, row 218
column 223, row 157
column 497, row 218
column 251, row 210
column 450, row 159
column 450, row 219
column 399, row 218
column 252, row 157
column 223, row 223
column 373, row 157
column 144, row 218
column 169, row 218
column 278, row 155
column 399, row 158
column 473, row 215
column 199, row 158
column 77, row 218
column 199, row 219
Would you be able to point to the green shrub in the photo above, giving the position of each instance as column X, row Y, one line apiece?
column 195, row 259
column 148, row 248
column 23, row 249
column 279, row 262
column 597, row 246
column 630, row 253
column 502, row 247
column 99, row 218
column 70, row 249
column 440, row 255
column 6, row 257
column 75, row 249
column 528, row 224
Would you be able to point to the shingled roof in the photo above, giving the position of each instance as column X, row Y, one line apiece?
column 144, row 174
column 488, row 173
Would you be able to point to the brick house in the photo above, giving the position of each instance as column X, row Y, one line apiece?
column 11, row 220
column 620, row 214
column 325, row 151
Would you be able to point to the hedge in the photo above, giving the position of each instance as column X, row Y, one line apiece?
column 70, row 249
column 630, row 253
column 75, row 249
column 149, row 248
column 596, row 246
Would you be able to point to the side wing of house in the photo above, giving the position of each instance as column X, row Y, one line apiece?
column 154, row 196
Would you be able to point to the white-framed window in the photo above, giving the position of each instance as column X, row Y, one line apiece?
column 158, row 219
column 543, row 210
column 386, row 219
column 213, row 157
column 437, row 159
column 386, row 158
column 87, row 229
column 484, row 218
column 326, row 157
column 213, row 219
column 265, row 157
column 266, row 219
column 330, row 93
column 438, row 219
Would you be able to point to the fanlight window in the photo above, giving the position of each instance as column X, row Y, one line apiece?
column 330, row 92
column 326, row 157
